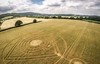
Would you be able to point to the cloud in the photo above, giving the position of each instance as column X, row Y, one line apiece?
column 5, row 8
column 91, row 7
column 55, row 5
column 63, row 0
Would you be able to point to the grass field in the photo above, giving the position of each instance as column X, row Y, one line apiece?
column 58, row 41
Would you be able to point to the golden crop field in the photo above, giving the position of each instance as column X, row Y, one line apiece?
column 58, row 41
column 11, row 23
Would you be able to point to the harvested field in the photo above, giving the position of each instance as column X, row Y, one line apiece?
column 11, row 23
column 57, row 41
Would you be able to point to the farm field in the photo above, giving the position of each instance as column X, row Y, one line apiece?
column 57, row 41
column 11, row 23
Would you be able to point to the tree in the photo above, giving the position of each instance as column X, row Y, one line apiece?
column 0, row 23
column 59, row 17
column 18, row 23
column 54, row 17
column 34, row 21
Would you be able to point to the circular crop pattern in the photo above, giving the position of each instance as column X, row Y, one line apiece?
column 35, row 42
column 32, row 48
column 77, row 61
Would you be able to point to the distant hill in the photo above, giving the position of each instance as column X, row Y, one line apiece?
column 19, row 14
column 32, row 14
column 36, row 14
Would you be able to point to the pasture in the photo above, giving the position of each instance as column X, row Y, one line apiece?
column 57, row 41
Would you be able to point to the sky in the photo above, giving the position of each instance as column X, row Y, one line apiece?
column 81, row 7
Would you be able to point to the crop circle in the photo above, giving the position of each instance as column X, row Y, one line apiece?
column 77, row 61
column 35, row 42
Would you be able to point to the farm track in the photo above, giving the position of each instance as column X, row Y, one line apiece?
column 70, row 50
column 85, row 43
column 76, row 43
column 66, row 46
column 84, row 46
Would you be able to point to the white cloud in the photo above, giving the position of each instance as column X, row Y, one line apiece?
column 51, row 6
column 51, row 2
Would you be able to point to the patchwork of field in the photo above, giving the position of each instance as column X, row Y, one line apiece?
column 58, row 41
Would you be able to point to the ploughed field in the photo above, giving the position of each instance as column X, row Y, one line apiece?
column 58, row 41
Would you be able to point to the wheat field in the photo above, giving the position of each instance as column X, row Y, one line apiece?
column 57, row 41
column 11, row 23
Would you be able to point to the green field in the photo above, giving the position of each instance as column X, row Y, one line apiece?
column 57, row 41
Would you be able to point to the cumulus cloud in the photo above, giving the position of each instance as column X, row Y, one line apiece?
column 16, row 6
column 5, row 8
column 91, row 7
